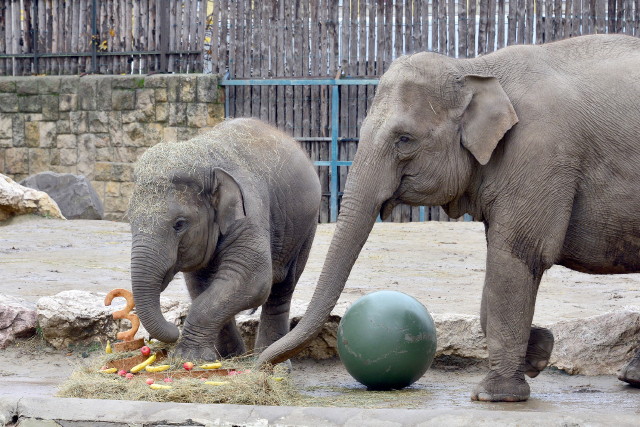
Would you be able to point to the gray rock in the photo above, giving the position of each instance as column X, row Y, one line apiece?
column 18, row 200
column 598, row 345
column 73, row 193
column 77, row 318
column 17, row 319
column 461, row 336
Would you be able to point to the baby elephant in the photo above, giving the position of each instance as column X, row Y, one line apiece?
column 234, row 209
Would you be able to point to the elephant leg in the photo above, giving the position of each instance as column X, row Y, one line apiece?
column 507, row 311
column 210, row 322
column 538, row 349
column 274, row 319
column 230, row 342
column 631, row 373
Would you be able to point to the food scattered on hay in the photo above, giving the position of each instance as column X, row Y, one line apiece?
column 243, row 385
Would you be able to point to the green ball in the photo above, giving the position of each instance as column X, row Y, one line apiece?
column 387, row 340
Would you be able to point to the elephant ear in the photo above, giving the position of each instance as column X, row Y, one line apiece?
column 227, row 200
column 487, row 117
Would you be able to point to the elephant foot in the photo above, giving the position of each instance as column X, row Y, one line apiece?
column 193, row 353
column 538, row 351
column 631, row 373
column 496, row 388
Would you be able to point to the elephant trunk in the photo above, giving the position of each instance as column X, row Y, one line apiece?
column 358, row 212
column 149, row 276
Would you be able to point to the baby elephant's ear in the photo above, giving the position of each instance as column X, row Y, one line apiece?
column 228, row 199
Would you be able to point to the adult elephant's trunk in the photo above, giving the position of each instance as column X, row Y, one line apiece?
column 149, row 276
column 364, row 194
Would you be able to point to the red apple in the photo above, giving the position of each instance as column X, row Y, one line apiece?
column 168, row 380
column 129, row 376
column 150, row 381
column 122, row 372
column 145, row 350
column 188, row 366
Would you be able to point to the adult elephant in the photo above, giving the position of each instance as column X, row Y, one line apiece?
column 541, row 143
column 236, row 209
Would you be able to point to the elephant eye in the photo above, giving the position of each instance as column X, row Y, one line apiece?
column 180, row 225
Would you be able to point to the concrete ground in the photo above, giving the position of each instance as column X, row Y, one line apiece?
column 441, row 264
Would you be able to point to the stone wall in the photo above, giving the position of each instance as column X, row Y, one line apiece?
column 98, row 126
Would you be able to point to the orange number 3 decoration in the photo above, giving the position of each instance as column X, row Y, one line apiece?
column 125, row 313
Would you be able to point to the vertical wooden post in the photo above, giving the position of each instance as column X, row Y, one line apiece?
column 36, row 36
column 94, row 36
column 163, row 30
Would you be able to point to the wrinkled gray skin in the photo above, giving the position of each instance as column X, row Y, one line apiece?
column 235, row 210
column 541, row 143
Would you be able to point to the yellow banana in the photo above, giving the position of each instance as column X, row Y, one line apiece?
column 215, row 365
column 107, row 349
column 108, row 371
column 158, row 368
column 216, row 382
column 277, row 378
column 143, row 365
column 159, row 387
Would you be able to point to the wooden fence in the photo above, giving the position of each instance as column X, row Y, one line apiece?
column 286, row 39
column 101, row 36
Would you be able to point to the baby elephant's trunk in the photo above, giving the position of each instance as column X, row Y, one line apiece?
column 148, row 274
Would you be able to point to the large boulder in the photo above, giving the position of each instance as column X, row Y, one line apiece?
column 73, row 193
column 18, row 200
column 460, row 337
column 77, row 318
column 17, row 319
column 80, row 318
column 596, row 345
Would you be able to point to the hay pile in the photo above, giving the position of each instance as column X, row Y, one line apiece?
column 250, row 387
